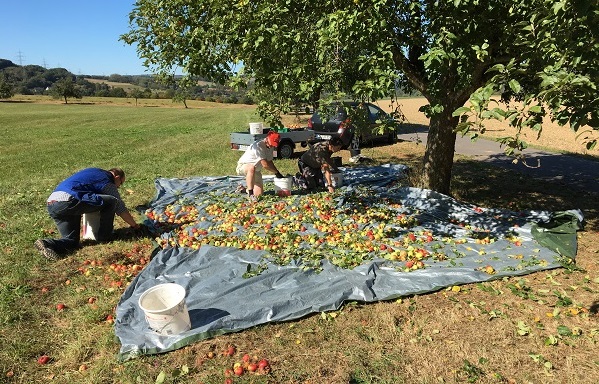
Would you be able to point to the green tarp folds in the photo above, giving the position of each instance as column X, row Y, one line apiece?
column 559, row 232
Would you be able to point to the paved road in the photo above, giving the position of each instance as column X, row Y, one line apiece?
column 575, row 171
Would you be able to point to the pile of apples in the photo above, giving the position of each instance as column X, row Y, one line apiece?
column 246, row 365
column 121, row 268
column 306, row 228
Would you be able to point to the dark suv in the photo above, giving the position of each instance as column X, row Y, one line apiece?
column 363, row 123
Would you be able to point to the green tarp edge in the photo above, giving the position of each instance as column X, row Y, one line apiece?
column 559, row 232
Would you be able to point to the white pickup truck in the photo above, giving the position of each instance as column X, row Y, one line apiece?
column 242, row 140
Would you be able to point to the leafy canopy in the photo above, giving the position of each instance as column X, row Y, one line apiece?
column 540, row 52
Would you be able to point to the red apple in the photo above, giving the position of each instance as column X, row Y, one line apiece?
column 43, row 359
column 245, row 358
column 230, row 351
column 238, row 370
column 253, row 367
column 263, row 364
column 60, row 307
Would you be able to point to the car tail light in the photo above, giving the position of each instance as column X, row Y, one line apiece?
column 343, row 126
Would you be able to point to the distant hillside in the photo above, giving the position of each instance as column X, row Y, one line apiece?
column 37, row 80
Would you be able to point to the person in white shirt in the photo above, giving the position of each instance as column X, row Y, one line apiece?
column 259, row 155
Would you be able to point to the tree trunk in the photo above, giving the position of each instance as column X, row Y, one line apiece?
column 440, row 147
column 65, row 100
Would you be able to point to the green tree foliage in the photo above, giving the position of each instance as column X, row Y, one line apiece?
column 562, row 45
column 136, row 93
column 65, row 88
column 33, row 79
column 6, row 89
column 447, row 50
column 6, row 63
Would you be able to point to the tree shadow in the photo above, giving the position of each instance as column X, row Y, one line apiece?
column 500, row 187
column 406, row 128
column 577, row 173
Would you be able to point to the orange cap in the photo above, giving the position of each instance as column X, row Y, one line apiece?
column 273, row 138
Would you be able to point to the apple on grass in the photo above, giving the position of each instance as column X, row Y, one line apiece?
column 263, row 364
column 230, row 351
column 238, row 370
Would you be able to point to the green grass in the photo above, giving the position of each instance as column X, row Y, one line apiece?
column 422, row 339
column 44, row 143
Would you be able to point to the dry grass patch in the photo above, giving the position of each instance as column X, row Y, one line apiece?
column 553, row 137
column 537, row 328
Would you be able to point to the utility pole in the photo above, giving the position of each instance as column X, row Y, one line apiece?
column 20, row 58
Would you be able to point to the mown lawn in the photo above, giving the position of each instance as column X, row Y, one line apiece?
column 539, row 328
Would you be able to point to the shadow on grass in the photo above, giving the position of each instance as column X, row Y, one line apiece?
column 133, row 234
column 492, row 186
column 407, row 128
column 577, row 173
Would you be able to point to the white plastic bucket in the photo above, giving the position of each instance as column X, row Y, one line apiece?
column 283, row 185
column 337, row 179
column 90, row 225
column 256, row 128
column 165, row 309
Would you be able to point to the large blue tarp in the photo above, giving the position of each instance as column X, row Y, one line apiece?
column 221, row 300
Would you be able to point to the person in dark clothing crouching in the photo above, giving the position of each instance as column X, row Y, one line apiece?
column 316, row 165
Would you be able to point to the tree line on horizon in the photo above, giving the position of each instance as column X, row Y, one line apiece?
column 61, row 83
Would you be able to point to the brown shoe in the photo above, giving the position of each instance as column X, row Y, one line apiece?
column 46, row 251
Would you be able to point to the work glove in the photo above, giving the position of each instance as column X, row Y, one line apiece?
column 278, row 175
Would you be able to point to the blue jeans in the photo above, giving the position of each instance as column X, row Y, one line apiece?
column 67, row 216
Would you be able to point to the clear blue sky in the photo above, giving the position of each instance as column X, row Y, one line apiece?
column 81, row 36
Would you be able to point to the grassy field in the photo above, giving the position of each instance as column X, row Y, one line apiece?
column 539, row 328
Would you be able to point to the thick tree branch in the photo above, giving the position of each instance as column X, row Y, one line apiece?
column 480, row 77
column 410, row 70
